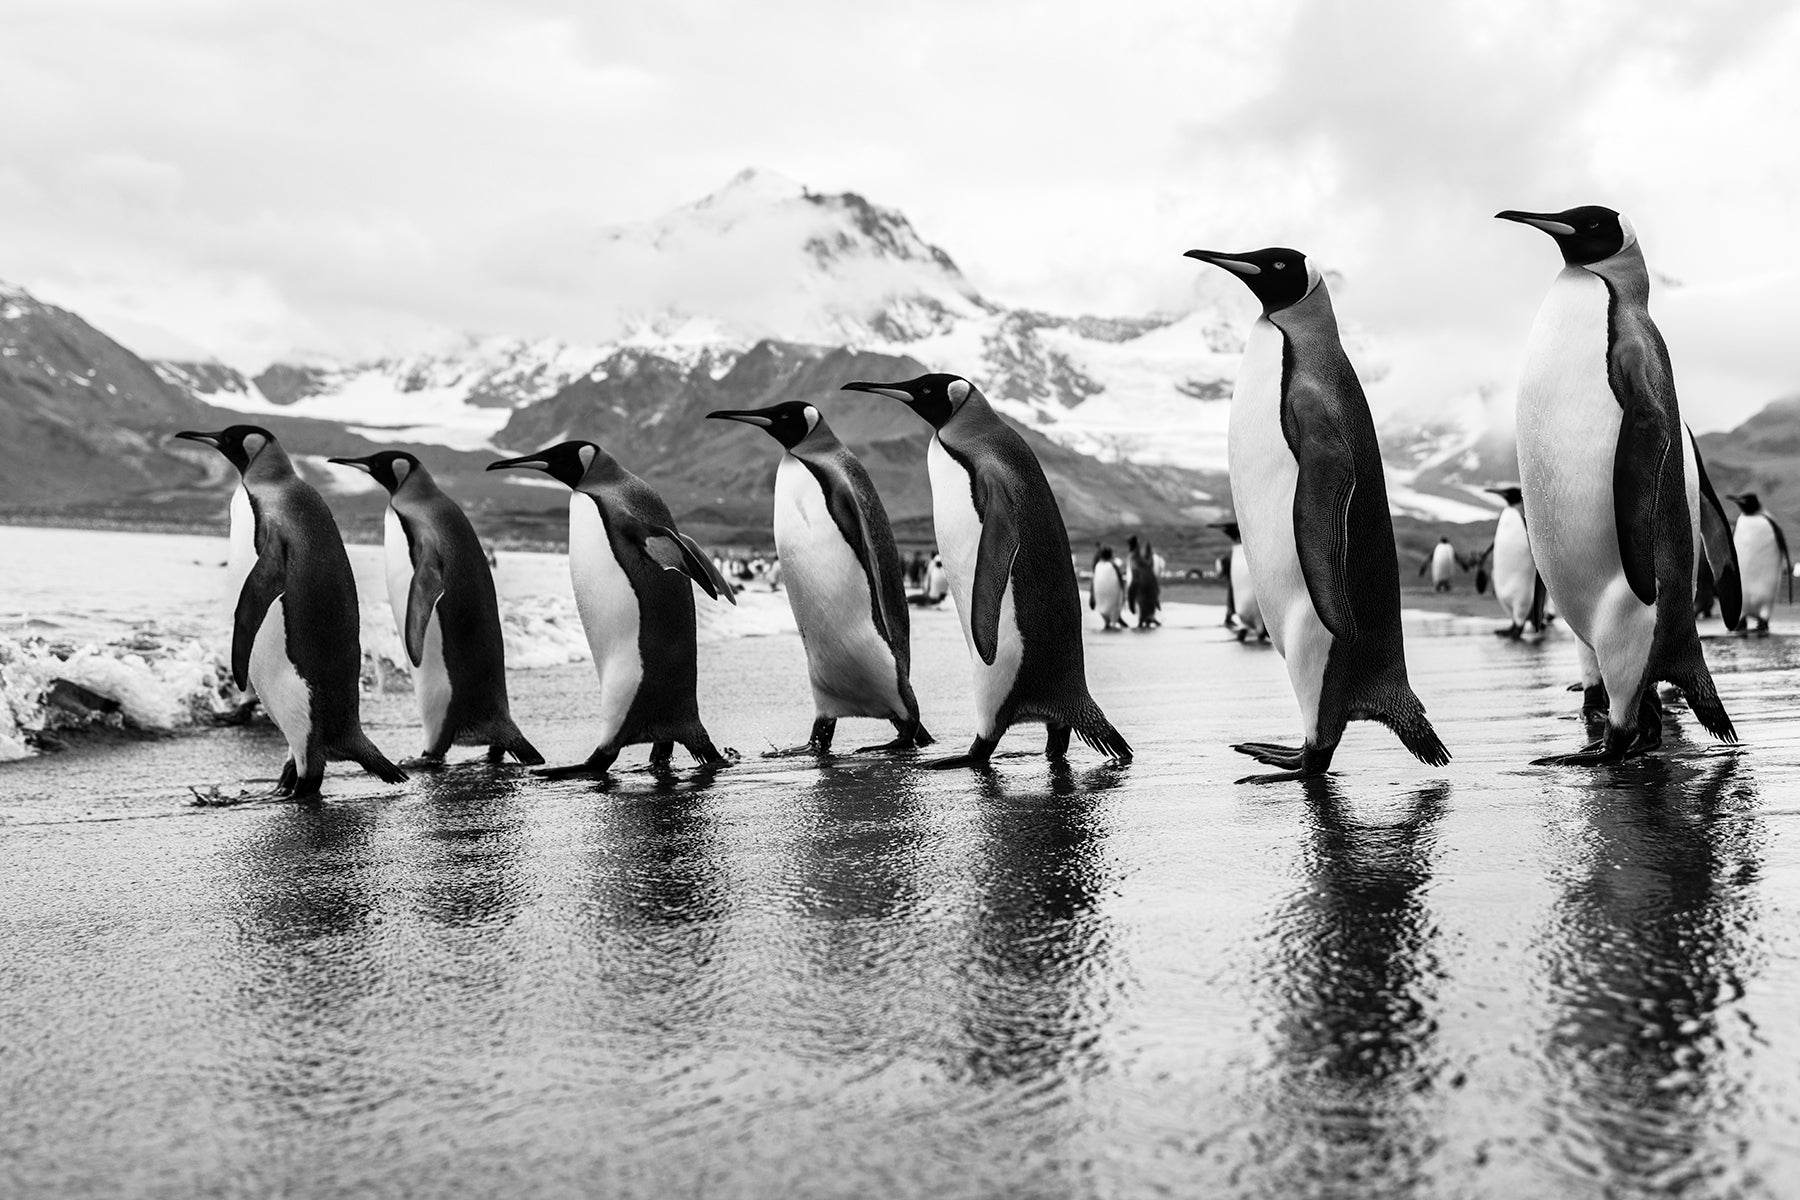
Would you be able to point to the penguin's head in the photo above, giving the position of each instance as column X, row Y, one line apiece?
column 239, row 443
column 566, row 462
column 390, row 468
column 1584, row 235
column 1746, row 501
column 1278, row 276
column 787, row 423
column 1511, row 493
column 936, row 397
column 1228, row 528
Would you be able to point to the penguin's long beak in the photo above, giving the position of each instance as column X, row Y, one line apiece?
column 361, row 464
column 744, row 415
column 1229, row 261
column 881, row 389
column 1547, row 222
column 205, row 439
column 535, row 462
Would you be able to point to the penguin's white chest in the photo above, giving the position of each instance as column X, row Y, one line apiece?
column 609, row 613
column 1515, row 576
column 959, row 545
column 284, row 694
column 1443, row 563
column 431, row 678
column 852, row 669
column 1759, row 561
column 1243, row 591
column 1568, row 434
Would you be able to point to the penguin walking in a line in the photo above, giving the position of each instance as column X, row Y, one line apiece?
column 296, row 635
column 1242, row 613
column 1311, row 502
column 1006, row 552
column 1517, row 585
column 843, row 577
column 1106, row 593
column 441, row 588
column 631, row 570
column 1762, row 555
column 1612, row 485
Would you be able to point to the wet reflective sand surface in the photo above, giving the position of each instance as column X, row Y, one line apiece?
column 861, row 979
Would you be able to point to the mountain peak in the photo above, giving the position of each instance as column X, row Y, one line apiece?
column 752, row 187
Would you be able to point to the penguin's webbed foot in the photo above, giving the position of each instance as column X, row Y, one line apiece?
column 1615, row 746
column 978, row 755
column 423, row 762
column 598, row 764
column 1301, row 762
column 1511, row 633
column 1281, row 777
column 1272, row 753
column 804, row 750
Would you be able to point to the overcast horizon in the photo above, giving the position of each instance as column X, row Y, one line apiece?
column 244, row 180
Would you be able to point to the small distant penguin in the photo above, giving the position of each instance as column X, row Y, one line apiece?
column 1442, row 563
column 937, row 580
column 1311, row 502
column 1762, row 555
column 1006, row 552
column 441, row 588
column 1242, row 613
column 630, row 569
column 1106, row 595
column 296, row 636
column 1143, row 585
column 844, row 579
column 1611, row 483
column 1517, row 584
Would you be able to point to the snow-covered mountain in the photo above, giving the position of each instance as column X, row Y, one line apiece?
column 765, row 258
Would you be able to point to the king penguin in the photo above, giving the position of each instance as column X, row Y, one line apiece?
column 631, row 570
column 1242, row 614
column 1517, row 585
column 1762, row 555
column 442, row 593
column 1612, row 492
column 296, row 636
column 843, row 578
column 1006, row 552
column 1311, row 502
column 1106, row 595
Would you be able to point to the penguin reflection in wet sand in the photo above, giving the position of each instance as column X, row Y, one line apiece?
column 1762, row 555
column 296, row 633
column 630, row 569
column 1312, row 506
column 843, row 578
column 1007, row 554
column 442, row 593
column 1611, row 481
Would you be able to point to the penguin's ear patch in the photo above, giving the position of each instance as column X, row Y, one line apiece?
column 812, row 418
column 253, row 445
column 402, row 469
column 958, row 390
column 586, row 455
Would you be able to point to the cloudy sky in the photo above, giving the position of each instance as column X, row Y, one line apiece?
column 246, row 178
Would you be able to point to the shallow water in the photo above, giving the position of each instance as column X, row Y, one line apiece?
column 861, row 979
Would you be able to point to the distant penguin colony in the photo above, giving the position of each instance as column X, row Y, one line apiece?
column 1614, row 525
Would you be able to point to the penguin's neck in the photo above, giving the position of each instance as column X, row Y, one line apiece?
column 1626, row 274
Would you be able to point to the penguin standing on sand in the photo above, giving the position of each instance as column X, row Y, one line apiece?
column 1312, row 504
column 843, row 576
column 631, row 571
column 1612, row 486
column 1006, row 552
column 1517, row 584
column 441, row 588
column 1762, row 555
column 1106, row 594
column 296, row 632
column 1442, row 562
column 1143, row 588
column 1242, row 613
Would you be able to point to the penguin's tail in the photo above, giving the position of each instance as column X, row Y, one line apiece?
column 357, row 748
column 1405, row 715
column 507, row 739
column 1688, row 672
column 1091, row 725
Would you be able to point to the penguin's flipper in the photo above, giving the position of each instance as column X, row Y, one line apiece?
column 427, row 589
column 1540, row 600
column 883, row 570
column 993, row 571
column 262, row 587
column 1322, row 497
column 674, row 551
column 1647, row 431
column 1716, row 542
